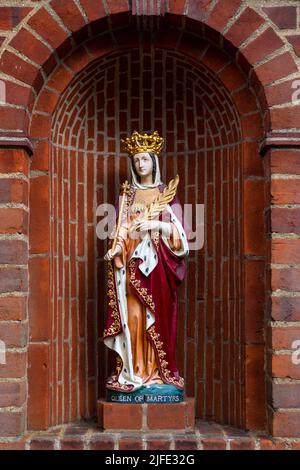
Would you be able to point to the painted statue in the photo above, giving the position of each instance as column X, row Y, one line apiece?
column 146, row 264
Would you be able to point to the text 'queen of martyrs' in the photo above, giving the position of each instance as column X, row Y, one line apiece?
column 146, row 264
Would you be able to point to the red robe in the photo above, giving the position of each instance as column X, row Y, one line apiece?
column 158, row 292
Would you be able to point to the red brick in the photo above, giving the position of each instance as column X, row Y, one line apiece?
column 286, row 308
column 102, row 442
column 60, row 79
column 242, row 444
column 222, row 13
column 279, row 67
column 254, row 300
column 286, row 279
column 13, row 252
column 232, row 77
column 266, row 43
column 252, row 126
column 14, row 334
column 282, row 366
column 39, row 282
column 11, row 16
column 42, row 443
column 15, row 366
column 209, row 429
column 295, row 41
column 99, row 47
column 158, row 442
column 295, row 445
column 30, row 46
column 94, row 10
column 72, row 443
column 285, row 250
column 13, row 308
column 286, row 395
column 198, row 9
column 213, row 443
column 254, row 228
column 69, row 13
column 39, row 215
column 244, row 101
column 283, row 337
column 186, row 443
column 285, row 191
column 169, row 416
column 11, row 423
column 12, row 393
column 117, row 6
column 285, row 17
column 120, row 415
column 40, row 126
column 38, row 386
column 47, row 101
column 286, row 424
column 13, row 445
column 285, row 161
column 245, row 25
column 177, row 7
column 268, row 444
column 280, row 93
column 16, row 67
column 253, row 163
column 78, row 59
column 14, row 160
column 285, row 118
column 131, row 443
column 12, row 118
column 40, row 158
column 18, row 94
column 255, row 387
column 13, row 190
column 13, row 279
column 13, row 221
column 215, row 59
column 44, row 24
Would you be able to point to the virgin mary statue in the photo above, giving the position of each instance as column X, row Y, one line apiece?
column 146, row 264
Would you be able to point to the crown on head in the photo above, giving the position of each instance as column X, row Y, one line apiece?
column 138, row 143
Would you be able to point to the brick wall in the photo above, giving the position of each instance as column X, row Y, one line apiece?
column 215, row 79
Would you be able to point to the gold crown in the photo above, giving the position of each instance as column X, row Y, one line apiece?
column 138, row 143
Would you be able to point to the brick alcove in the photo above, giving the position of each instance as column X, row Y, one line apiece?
column 225, row 69
column 211, row 123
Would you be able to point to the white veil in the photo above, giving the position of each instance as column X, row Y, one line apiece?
column 157, row 179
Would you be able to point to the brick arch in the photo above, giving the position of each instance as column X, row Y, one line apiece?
column 69, row 26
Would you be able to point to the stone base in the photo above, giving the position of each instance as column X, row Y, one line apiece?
column 146, row 416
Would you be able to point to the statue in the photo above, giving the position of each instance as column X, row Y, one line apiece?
column 146, row 264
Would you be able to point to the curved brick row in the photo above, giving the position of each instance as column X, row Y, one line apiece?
column 66, row 29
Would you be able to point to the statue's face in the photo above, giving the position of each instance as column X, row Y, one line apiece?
column 143, row 164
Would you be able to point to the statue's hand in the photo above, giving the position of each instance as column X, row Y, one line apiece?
column 155, row 225
column 111, row 254
column 145, row 225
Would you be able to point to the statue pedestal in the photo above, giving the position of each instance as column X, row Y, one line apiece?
column 147, row 416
